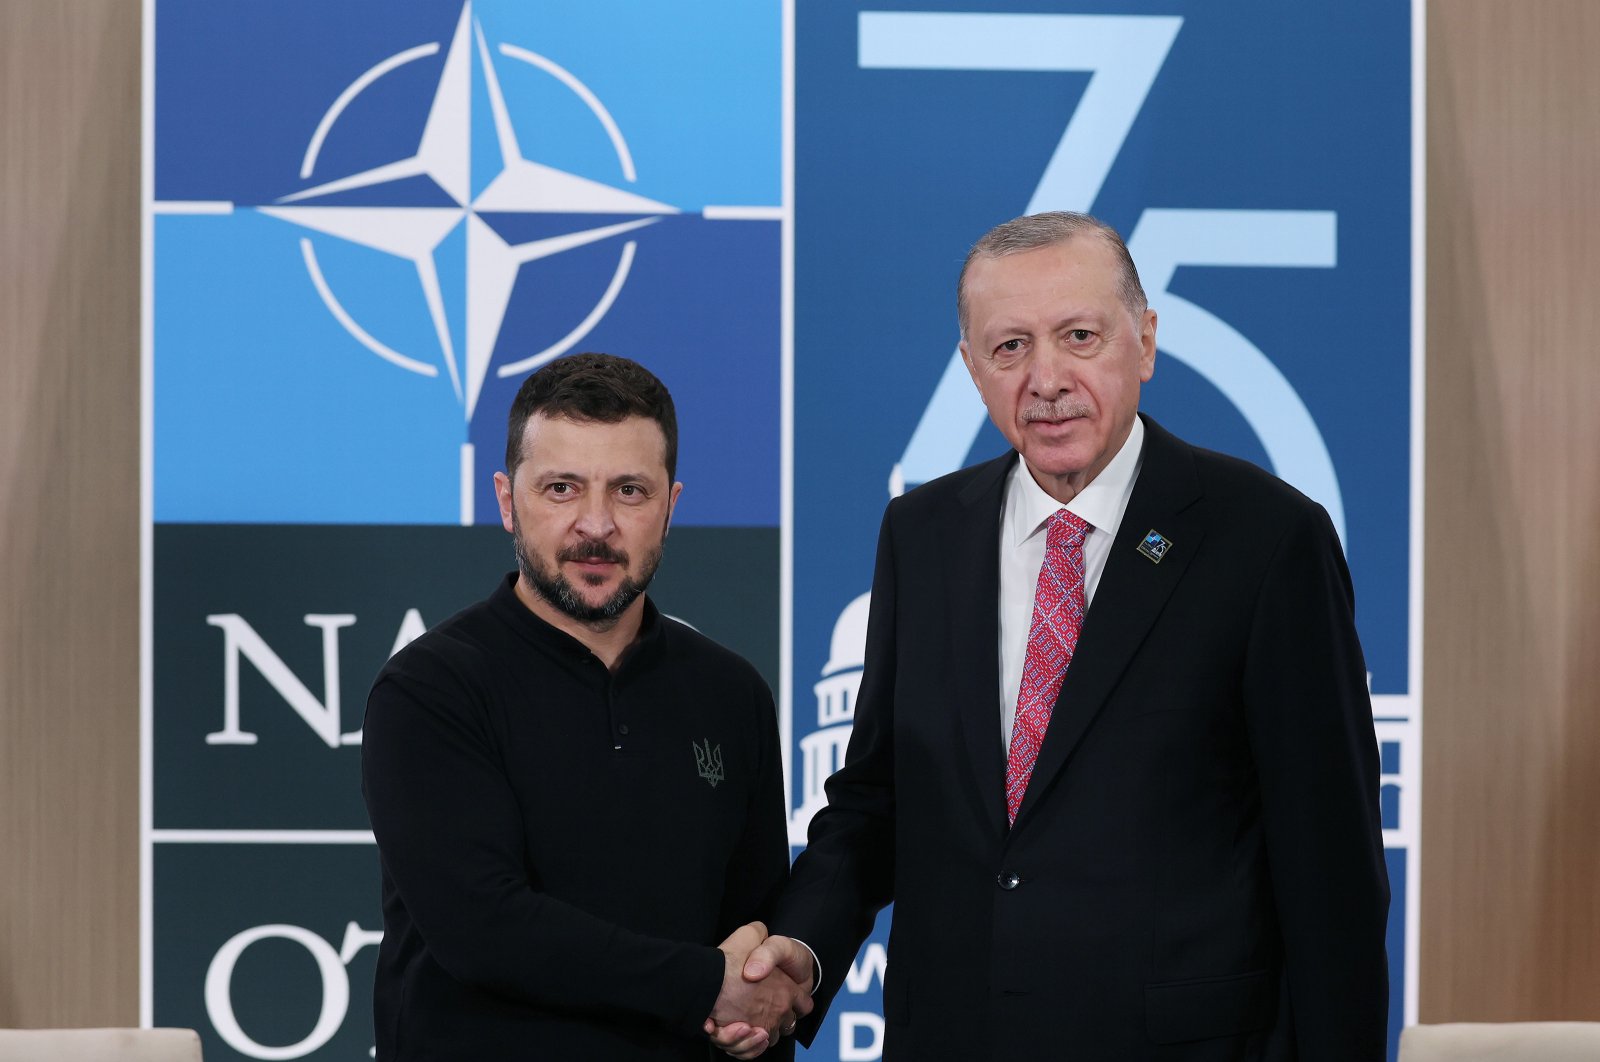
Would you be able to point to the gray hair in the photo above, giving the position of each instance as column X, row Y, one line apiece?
column 1044, row 230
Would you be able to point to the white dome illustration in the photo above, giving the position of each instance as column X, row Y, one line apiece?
column 822, row 751
column 849, row 645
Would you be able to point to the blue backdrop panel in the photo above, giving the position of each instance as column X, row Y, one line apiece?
column 418, row 206
column 369, row 223
column 1257, row 158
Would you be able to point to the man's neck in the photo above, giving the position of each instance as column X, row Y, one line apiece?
column 606, row 639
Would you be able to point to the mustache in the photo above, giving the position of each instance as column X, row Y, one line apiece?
column 587, row 551
column 1061, row 409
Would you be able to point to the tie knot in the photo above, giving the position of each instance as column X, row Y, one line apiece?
column 1065, row 531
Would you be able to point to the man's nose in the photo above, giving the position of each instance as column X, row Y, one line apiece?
column 595, row 516
column 1052, row 371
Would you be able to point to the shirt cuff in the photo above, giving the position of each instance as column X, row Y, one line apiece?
column 816, row 965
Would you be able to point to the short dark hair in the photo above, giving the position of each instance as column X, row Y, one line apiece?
column 1033, row 231
column 595, row 387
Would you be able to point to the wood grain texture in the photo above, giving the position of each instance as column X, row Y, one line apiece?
column 1511, row 790
column 69, row 476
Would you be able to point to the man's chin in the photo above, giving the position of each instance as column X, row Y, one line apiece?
column 1058, row 460
column 595, row 599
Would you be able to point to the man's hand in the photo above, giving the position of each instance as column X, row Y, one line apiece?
column 761, row 998
column 784, row 954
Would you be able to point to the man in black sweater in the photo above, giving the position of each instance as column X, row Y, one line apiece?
column 574, row 796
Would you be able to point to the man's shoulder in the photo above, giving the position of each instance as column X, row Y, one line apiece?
column 1230, row 476
column 1218, row 474
column 688, row 648
column 959, row 488
column 457, row 646
column 1233, row 483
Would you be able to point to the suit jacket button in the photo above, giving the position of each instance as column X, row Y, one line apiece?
column 1008, row 880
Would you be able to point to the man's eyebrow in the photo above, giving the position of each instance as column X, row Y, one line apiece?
column 1004, row 327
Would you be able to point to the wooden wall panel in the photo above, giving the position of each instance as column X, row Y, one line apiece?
column 69, row 505
column 1511, row 744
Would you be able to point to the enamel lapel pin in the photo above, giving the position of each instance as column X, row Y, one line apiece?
column 1155, row 546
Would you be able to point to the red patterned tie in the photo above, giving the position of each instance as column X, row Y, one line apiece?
column 1052, row 636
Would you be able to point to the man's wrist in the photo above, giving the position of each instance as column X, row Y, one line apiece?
column 710, row 1003
column 816, row 966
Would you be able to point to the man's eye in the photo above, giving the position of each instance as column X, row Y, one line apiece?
column 628, row 490
column 560, row 488
column 1080, row 335
column 1010, row 346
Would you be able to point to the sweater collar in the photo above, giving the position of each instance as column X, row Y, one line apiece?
column 505, row 602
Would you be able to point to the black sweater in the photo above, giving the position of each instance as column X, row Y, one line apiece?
column 562, row 846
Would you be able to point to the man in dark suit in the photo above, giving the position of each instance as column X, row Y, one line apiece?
column 1176, row 856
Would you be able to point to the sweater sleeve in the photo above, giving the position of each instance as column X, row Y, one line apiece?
column 449, row 834
column 759, row 867
column 760, row 864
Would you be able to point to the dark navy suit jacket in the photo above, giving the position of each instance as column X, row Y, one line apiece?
column 1196, row 871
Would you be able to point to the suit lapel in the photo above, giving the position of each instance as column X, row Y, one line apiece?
column 1131, row 593
column 974, row 612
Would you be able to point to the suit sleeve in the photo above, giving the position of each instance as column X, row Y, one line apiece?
column 449, row 834
column 846, row 874
column 1310, row 721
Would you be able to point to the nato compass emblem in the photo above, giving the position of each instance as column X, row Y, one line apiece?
column 708, row 761
column 500, row 237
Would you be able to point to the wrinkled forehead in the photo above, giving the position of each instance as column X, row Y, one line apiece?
column 634, row 444
column 1082, row 270
column 1083, row 248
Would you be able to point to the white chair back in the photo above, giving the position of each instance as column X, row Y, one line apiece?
column 99, row 1045
column 1524, row 1041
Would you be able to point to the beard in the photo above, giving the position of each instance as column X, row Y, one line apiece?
column 558, row 591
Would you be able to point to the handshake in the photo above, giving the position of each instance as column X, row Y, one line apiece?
column 766, row 990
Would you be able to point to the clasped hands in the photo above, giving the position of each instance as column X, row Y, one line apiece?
column 766, row 989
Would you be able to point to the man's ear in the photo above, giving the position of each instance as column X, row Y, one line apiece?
column 672, row 504
column 502, row 494
column 1147, row 344
column 966, row 357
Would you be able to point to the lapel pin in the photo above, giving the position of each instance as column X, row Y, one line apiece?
column 1155, row 546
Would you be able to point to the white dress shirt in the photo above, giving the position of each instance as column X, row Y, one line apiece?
column 1022, row 539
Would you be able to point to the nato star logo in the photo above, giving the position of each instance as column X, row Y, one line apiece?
column 464, row 206
column 522, row 187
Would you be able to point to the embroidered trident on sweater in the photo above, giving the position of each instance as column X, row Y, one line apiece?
column 708, row 761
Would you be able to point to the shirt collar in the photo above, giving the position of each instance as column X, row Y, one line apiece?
column 1100, row 504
